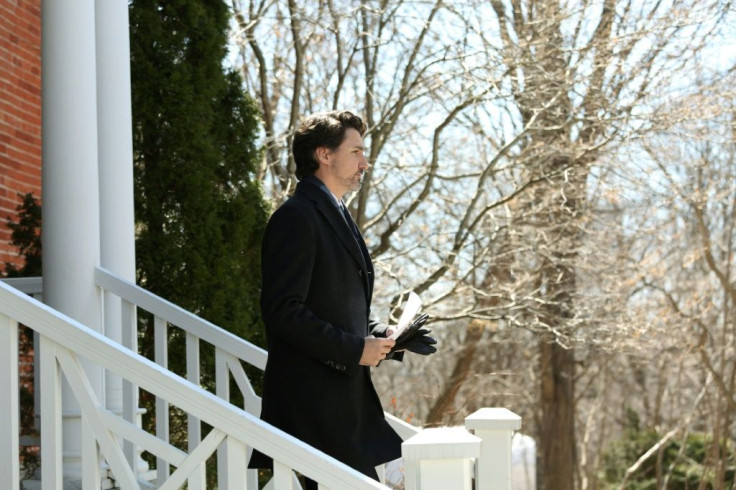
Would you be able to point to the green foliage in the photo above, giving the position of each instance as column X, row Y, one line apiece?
column 199, row 208
column 688, row 462
column 26, row 236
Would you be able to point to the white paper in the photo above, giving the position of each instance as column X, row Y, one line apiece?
column 413, row 304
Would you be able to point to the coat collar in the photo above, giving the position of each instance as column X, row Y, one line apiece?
column 327, row 207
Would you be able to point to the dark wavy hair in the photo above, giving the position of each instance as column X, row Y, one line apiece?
column 323, row 129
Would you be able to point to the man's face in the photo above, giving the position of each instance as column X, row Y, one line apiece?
column 346, row 164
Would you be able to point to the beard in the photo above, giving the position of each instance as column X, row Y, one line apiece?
column 355, row 182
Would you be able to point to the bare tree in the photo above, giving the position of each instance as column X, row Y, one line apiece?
column 578, row 73
column 696, row 165
column 490, row 126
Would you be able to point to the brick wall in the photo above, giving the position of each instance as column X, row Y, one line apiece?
column 20, row 111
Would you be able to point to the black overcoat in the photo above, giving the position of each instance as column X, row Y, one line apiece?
column 315, row 301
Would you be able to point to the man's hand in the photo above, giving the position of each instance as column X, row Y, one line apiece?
column 375, row 350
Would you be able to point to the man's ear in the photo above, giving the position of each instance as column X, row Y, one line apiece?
column 322, row 154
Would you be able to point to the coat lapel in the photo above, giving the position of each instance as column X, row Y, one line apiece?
column 329, row 211
column 332, row 215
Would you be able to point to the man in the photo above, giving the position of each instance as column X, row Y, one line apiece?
column 315, row 301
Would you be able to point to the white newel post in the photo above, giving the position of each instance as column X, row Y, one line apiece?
column 71, row 219
column 117, row 223
column 494, row 426
column 438, row 459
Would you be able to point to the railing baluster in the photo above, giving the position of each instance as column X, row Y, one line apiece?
column 50, row 386
column 222, row 389
column 9, row 439
column 194, row 427
column 161, row 355
column 36, row 377
column 282, row 477
column 193, row 376
column 222, row 375
column 91, row 460
column 226, row 364
column 130, row 391
column 233, row 472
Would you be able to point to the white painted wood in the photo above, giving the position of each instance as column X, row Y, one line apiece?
column 493, row 419
column 208, row 332
column 232, row 472
column 34, row 287
column 90, row 404
column 222, row 375
column 495, row 427
column 441, row 443
column 115, row 169
column 9, row 435
column 50, row 388
column 222, row 389
column 191, row 465
column 36, row 381
column 115, row 138
column 441, row 458
column 411, row 475
column 29, row 285
column 283, row 478
column 91, row 476
column 161, row 355
column 129, row 333
column 251, row 476
column 271, row 484
column 251, row 399
column 98, row 349
column 404, row 429
column 197, row 480
column 71, row 201
column 234, row 456
column 141, row 438
column 193, row 375
column 381, row 471
column 176, row 315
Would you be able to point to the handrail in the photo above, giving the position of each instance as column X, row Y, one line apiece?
column 29, row 285
column 205, row 330
column 182, row 318
column 61, row 340
column 245, row 428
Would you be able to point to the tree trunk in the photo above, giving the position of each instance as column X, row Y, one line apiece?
column 446, row 401
column 557, row 455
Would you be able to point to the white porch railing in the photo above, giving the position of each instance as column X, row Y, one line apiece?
column 63, row 341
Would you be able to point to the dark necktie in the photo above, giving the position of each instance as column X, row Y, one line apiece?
column 350, row 222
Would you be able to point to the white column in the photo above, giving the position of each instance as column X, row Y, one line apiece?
column 117, row 226
column 71, row 233
column 438, row 459
column 494, row 426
